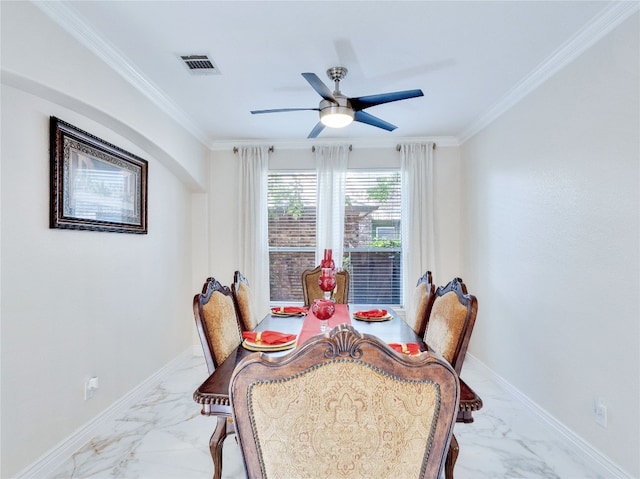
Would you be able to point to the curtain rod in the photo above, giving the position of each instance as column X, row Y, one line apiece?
column 235, row 149
column 313, row 148
column 399, row 146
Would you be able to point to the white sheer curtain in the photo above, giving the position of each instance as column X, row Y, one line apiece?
column 418, row 233
column 253, row 243
column 331, row 165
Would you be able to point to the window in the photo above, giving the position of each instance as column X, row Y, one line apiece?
column 291, row 203
column 372, row 246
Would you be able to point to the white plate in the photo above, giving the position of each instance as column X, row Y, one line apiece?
column 373, row 320
column 253, row 346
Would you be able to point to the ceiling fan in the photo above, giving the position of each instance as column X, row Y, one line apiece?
column 338, row 111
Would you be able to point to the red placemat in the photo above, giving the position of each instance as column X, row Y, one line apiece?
column 311, row 325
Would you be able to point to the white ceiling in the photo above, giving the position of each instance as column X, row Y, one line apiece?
column 471, row 59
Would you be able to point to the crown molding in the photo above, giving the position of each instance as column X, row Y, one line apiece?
column 77, row 27
column 608, row 19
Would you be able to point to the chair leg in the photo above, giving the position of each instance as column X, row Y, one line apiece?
column 215, row 445
column 452, row 457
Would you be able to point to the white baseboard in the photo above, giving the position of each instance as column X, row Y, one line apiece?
column 61, row 453
column 612, row 470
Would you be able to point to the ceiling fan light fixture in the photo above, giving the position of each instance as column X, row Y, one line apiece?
column 336, row 116
column 337, row 110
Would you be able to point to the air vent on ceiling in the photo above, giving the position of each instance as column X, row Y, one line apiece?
column 199, row 64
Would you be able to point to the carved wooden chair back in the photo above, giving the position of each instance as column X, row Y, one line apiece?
column 311, row 290
column 451, row 322
column 421, row 303
column 344, row 404
column 216, row 322
column 243, row 302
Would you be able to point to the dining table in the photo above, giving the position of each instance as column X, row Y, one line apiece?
column 213, row 393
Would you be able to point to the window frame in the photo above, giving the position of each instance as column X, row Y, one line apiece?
column 347, row 249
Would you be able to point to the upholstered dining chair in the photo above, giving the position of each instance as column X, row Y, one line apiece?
column 220, row 335
column 451, row 321
column 449, row 327
column 344, row 404
column 216, row 322
column 421, row 303
column 311, row 290
column 243, row 302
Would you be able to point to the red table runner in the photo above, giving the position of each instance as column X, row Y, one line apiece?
column 311, row 324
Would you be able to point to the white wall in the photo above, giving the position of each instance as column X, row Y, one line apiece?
column 552, row 244
column 223, row 201
column 78, row 303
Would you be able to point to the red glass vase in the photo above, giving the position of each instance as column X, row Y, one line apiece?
column 327, row 281
column 323, row 308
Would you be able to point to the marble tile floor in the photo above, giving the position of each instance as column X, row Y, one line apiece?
column 166, row 437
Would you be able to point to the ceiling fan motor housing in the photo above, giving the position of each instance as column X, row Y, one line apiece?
column 336, row 115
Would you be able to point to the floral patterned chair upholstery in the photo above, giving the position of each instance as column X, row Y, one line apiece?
column 344, row 405
column 216, row 322
column 421, row 303
column 243, row 302
column 311, row 290
column 451, row 322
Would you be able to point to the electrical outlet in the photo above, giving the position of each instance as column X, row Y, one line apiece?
column 90, row 387
column 600, row 413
